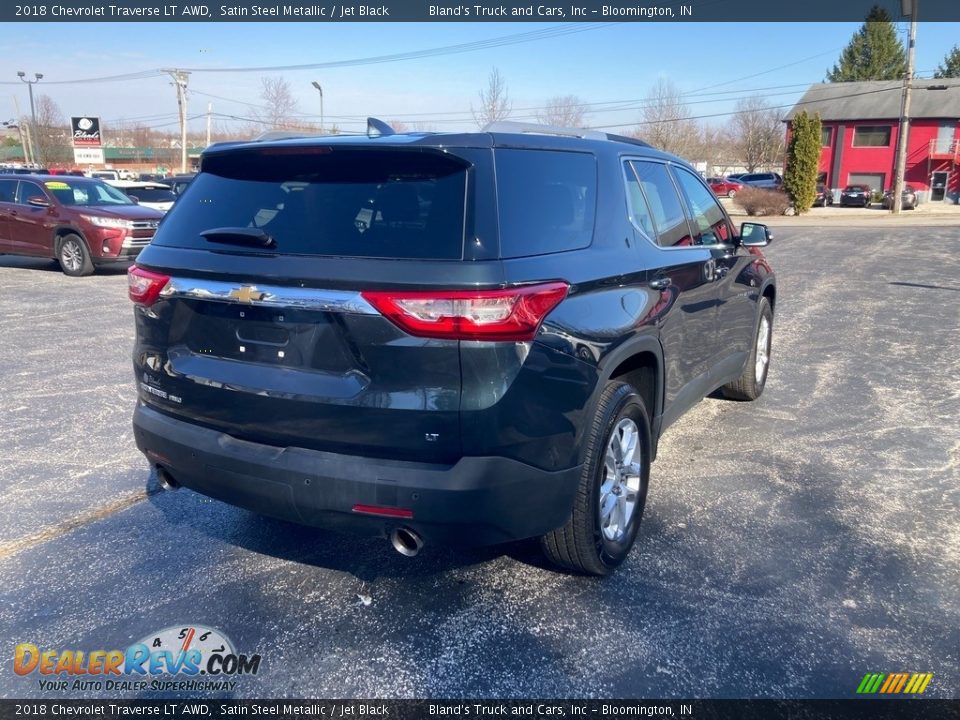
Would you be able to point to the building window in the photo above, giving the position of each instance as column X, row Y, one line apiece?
column 826, row 136
column 871, row 136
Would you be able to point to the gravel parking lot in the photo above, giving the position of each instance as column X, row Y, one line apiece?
column 789, row 546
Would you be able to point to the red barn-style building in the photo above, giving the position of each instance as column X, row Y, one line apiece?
column 861, row 121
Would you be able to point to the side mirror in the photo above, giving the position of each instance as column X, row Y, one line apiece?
column 135, row 199
column 38, row 201
column 755, row 235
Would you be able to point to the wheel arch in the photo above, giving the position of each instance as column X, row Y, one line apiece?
column 61, row 231
column 769, row 291
column 640, row 364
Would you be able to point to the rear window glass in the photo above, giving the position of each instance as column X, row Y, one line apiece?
column 152, row 195
column 547, row 201
column 323, row 201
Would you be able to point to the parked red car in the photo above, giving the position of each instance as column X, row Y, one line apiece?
column 724, row 186
column 80, row 222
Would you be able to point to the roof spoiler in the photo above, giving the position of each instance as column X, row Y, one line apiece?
column 282, row 135
column 375, row 128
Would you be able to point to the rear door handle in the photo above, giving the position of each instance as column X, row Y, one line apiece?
column 661, row 283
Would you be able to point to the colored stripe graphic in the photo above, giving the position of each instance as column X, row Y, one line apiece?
column 918, row 683
column 870, row 683
column 894, row 683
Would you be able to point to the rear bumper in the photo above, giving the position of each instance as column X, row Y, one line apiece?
column 475, row 501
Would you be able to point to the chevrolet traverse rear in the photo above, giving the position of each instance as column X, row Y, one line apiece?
column 467, row 338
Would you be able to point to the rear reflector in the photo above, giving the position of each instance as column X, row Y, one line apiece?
column 144, row 286
column 508, row 314
column 383, row 511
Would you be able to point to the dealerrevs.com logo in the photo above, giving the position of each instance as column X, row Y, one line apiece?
column 198, row 658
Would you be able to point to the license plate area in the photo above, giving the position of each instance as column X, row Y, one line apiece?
column 294, row 338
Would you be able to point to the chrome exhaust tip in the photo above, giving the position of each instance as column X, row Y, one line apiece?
column 166, row 480
column 405, row 541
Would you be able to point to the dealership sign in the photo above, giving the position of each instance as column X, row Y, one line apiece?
column 88, row 156
column 86, row 131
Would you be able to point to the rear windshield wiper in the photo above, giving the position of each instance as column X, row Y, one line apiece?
column 251, row 237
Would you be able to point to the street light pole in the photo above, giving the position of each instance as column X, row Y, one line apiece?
column 33, row 112
column 909, row 7
column 320, row 90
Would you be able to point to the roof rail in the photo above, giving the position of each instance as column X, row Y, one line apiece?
column 509, row 126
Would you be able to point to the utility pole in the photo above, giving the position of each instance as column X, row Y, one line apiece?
column 33, row 156
column 180, row 78
column 24, row 134
column 320, row 90
column 908, row 7
column 33, row 113
column 209, row 113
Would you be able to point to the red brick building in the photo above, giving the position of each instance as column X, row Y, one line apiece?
column 861, row 121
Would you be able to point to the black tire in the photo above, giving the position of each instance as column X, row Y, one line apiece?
column 749, row 386
column 581, row 545
column 73, row 256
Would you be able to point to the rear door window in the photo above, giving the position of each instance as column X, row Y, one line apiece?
column 547, row 201
column 328, row 201
column 639, row 209
column 8, row 189
column 28, row 190
column 665, row 206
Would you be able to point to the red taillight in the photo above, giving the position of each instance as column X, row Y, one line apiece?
column 508, row 314
column 383, row 511
column 144, row 286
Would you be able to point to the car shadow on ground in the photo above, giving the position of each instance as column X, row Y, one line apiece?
column 366, row 558
column 47, row 265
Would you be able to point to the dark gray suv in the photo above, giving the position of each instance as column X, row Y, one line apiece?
column 445, row 338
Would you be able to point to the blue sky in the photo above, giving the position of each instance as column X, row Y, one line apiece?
column 599, row 63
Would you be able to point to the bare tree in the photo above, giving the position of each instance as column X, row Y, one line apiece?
column 279, row 105
column 665, row 121
column 757, row 134
column 562, row 111
column 51, row 135
column 714, row 148
column 141, row 136
column 495, row 102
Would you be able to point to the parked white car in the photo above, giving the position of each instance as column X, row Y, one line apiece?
column 152, row 195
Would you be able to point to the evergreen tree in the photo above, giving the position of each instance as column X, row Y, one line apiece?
column 874, row 53
column 803, row 161
column 950, row 68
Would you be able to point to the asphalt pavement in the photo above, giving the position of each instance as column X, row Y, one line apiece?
column 789, row 546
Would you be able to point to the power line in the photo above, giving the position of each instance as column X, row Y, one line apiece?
column 503, row 40
column 590, row 107
column 734, row 112
column 142, row 75
column 515, row 39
